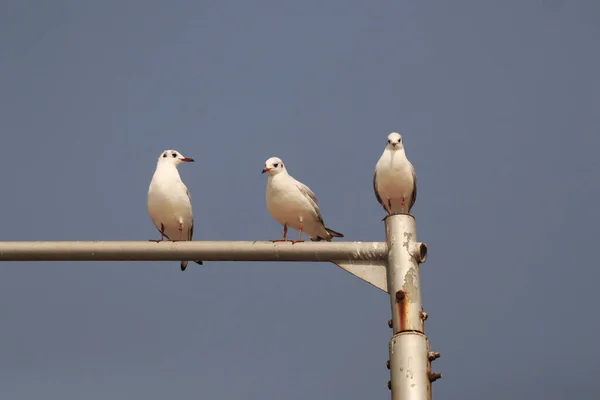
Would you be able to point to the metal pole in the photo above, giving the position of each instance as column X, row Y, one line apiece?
column 391, row 266
column 409, row 364
column 194, row 250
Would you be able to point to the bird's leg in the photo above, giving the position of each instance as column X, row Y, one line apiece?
column 402, row 205
column 284, row 235
column 299, row 235
column 162, row 234
column 389, row 206
column 180, row 234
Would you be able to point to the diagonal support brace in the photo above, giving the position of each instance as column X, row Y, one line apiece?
column 373, row 272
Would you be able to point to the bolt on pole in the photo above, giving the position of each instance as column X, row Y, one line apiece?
column 410, row 356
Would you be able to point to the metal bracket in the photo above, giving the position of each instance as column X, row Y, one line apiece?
column 373, row 272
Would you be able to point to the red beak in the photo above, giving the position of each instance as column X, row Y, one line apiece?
column 265, row 169
column 187, row 159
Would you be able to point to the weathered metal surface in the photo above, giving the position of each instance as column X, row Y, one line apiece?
column 194, row 250
column 403, row 272
column 409, row 347
column 409, row 366
column 373, row 272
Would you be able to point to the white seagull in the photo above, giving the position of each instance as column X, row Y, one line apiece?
column 293, row 204
column 395, row 182
column 169, row 201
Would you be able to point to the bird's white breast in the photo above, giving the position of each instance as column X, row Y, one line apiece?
column 169, row 205
column 394, row 176
column 286, row 203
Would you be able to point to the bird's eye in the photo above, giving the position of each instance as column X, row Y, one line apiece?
column 164, row 155
column 389, row 141
column 276, row 165
column 174, row 155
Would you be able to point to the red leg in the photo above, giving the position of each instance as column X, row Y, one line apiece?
column 180, row 239
column 389, row 207
column 284, row 235
column 402, row 205
column 162, row 234
column 299, row 235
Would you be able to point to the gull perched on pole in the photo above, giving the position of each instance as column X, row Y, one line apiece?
column 170, row 202
column 394, row 181
column 293, row 204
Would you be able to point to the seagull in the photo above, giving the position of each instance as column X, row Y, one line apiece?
column 169, row 201
column 293, row 204
column 394, row 181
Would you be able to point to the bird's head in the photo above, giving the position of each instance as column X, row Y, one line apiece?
column 394, row 141
column 274, row 166
column 172, row 157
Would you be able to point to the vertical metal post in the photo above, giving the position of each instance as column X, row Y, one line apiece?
column 410, row 368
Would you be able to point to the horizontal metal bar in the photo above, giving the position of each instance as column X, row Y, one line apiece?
column 194, row 250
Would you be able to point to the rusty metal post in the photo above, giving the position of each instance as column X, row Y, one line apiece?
column 410, row 365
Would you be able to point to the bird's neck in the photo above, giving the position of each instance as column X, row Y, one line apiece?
column 396, row 154
column 280, row 175
column 166, row 171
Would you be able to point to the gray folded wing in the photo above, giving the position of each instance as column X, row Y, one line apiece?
column 312, row 199
column 414, row 193
column 191, row 231
column 375, row 188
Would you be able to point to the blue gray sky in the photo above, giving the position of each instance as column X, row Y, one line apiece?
column 498, row 105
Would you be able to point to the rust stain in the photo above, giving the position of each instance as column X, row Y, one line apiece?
column 402, row 307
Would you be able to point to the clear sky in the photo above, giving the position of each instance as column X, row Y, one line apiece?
column 498, row 105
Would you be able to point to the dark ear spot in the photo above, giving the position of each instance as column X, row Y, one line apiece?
column 164, row 155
